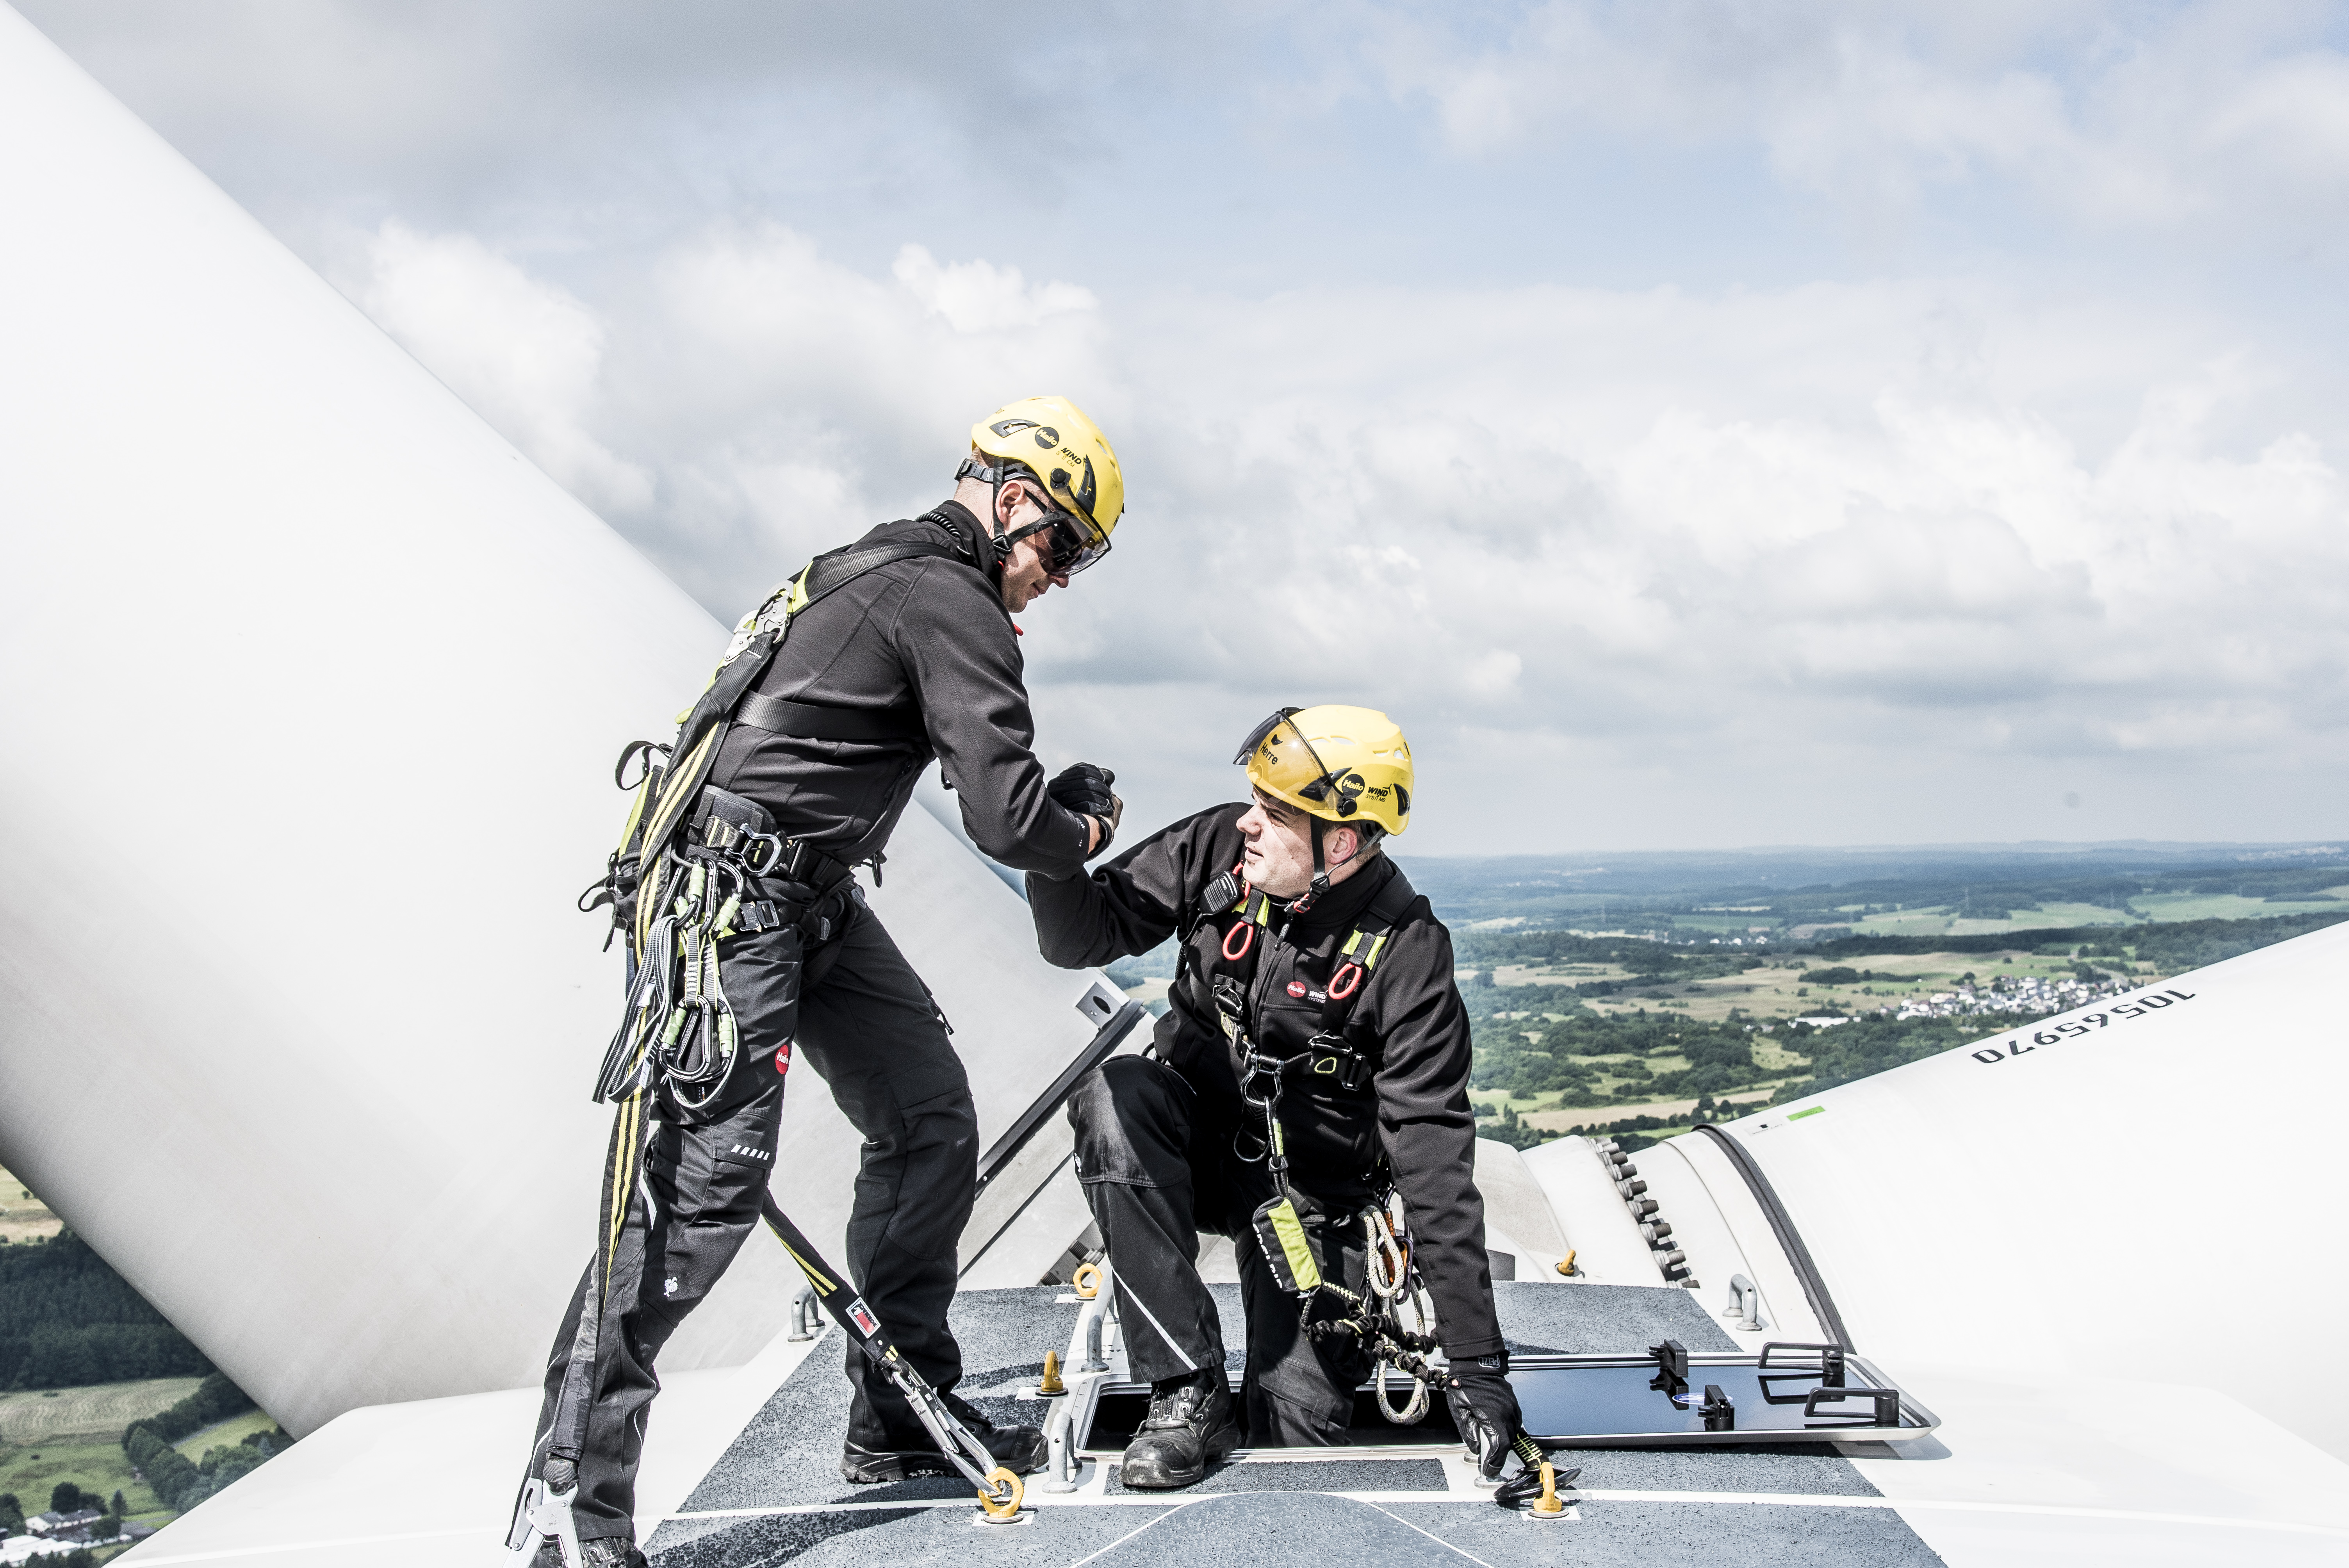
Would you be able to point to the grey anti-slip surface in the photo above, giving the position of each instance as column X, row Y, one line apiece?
column 777, row 1496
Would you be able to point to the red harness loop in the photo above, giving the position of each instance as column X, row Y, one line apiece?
column 1346, row 982
column 1245, row 931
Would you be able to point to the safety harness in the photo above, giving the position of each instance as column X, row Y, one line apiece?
column 678, row 1028
column 1342, row 1053
column 667, row 788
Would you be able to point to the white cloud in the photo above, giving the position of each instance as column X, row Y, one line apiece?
column 523, row 352
column 1842, row 554
column 2111, row 115
column 974, row 296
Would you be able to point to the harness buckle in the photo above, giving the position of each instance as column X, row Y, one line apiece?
column 776, row 846
column 1334, row 1056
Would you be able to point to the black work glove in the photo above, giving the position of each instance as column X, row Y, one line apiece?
column 1485, row 1409
column 1085, row 790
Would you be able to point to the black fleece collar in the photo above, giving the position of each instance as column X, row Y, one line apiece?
column 975, row 543
column 1344, row 901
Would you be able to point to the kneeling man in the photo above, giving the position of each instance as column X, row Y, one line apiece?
column 1315, row 1050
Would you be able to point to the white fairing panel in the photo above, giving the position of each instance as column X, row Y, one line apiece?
column 2141, row 1189
column 311, row 685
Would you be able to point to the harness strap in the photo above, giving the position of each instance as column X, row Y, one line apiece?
column 813, row 721
column 1360, row 952
column 703, row 727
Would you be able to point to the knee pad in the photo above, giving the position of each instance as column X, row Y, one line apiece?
column 1129, row 1125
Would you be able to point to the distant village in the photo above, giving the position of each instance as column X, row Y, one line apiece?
column 2010, row 994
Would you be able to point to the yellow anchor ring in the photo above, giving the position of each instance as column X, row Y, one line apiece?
column 1086, row 1281
column 1001, row 1502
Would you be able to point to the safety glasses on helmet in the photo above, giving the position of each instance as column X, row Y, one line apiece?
column 1071, row 544
column 1074, row 545
column 1317, row 788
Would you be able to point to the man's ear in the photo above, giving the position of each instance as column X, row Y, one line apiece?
column 1006, row 501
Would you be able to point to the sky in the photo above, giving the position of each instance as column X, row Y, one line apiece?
column 1698, row 425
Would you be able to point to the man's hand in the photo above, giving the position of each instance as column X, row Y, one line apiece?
column 1485, row 1409
column 1085, row 790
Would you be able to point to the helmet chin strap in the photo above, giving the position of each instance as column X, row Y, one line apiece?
column 1365, row 835
column 993, row 547
column 1321, row 867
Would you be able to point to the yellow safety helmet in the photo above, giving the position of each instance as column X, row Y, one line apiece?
column 1051, row 439
column 1339, row 764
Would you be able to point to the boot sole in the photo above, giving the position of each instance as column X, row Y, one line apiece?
column 874, row 1469
column 877, row 1469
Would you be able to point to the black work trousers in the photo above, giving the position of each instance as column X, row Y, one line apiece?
column 853, row 1009
column 1158, row 1168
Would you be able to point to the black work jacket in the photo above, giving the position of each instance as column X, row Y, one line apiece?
column 1414, row 1111
column 932, row 635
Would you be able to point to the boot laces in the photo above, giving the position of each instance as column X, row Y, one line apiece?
column 1174, row 1406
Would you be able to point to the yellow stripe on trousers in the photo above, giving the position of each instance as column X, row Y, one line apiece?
column 624, row 1164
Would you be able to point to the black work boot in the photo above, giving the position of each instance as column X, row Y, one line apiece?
column 1189, row 1428
column 873, row 1454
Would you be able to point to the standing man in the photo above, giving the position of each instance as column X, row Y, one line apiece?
column 1314, row 1056
column 880, row 657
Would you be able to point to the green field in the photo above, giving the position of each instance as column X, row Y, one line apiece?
column 225, row 1434
column 29, row 1417
column 2227, row 905
column 23, row 1217
column 98, row 1465
column 1778, row 991
column 1952, row 922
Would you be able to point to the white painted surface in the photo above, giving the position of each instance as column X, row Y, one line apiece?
column 1714, row 1254
column 310, row 683
column 2089, row 1470
column 1515, row 1208
column 1608, row 1249
column 433, row 1480
column 1752, row 1249
column 2127, row 1203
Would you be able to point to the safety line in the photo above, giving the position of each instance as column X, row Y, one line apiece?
column 1065, row 1500
column 1407, row 1524
column 488, row 1533
column 1382, row 1501
column 1954, row 1505
column 1179, row 1505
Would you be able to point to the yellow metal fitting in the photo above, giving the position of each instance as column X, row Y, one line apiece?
column 1052, row 1383
column 1086, row 1281
column 1000, row 1503
column 1547, row 1506
column 1566, row 1263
